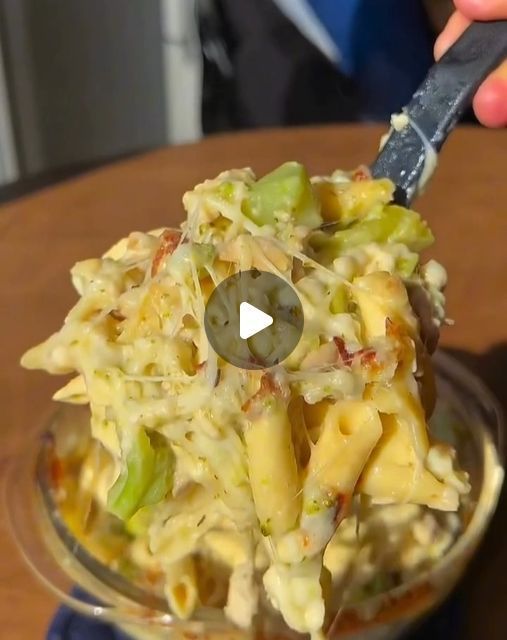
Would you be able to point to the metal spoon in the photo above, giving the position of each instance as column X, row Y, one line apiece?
column 436, row 107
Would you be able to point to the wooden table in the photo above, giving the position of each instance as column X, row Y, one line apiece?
column 43, row 235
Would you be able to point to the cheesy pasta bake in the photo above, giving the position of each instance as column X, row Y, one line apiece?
column 279, row 482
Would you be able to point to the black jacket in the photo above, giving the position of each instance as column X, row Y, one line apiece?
column 260, row 71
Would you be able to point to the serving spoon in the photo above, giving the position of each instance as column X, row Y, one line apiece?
column 409, row 154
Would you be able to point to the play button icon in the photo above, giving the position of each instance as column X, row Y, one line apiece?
column 254, row 319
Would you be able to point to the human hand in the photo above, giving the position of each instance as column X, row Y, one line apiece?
column 490, row 102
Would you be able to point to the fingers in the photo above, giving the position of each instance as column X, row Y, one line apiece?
column 482, row 9
column 454, row 28
column 490, row 102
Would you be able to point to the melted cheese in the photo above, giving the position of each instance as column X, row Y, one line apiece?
column 256, row 487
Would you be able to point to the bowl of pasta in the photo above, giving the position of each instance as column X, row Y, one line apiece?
column 338, row 493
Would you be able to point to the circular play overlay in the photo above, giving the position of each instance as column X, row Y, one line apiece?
column 254, row 319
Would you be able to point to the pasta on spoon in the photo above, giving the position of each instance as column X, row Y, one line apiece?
column 253, row 469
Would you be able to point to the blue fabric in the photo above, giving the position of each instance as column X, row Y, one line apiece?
column 338, row 17
column 387, row 47
column 445, row 624
column 69, row 625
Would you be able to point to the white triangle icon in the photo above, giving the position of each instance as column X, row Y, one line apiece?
column 252, row 320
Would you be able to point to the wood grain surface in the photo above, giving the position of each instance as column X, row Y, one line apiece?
column 41, row 236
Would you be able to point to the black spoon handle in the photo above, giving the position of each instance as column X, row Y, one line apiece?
column 438, row 104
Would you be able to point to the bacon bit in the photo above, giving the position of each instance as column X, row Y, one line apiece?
column 361, row 173
column 306, row 541
column 346, row 356
column 367, row 356
column 369, row 360
column 269, row 387
column 56, row 473
column 169, row 240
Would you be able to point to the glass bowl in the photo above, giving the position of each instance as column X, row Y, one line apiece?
column 61, row 562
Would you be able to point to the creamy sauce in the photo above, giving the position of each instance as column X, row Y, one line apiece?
column 400, row 121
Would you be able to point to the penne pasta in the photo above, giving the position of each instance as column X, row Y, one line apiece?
column 181, row 587
column 350, row 431
column 380, row 296
column 273, row 470
column 395, row 474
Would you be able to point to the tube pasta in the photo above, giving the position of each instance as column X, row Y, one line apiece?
column 350, row 431
column 297, row 591
column 181, row 587
column 379, row 296
column 273, row 470
column 394, row 474
column 400, row 400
